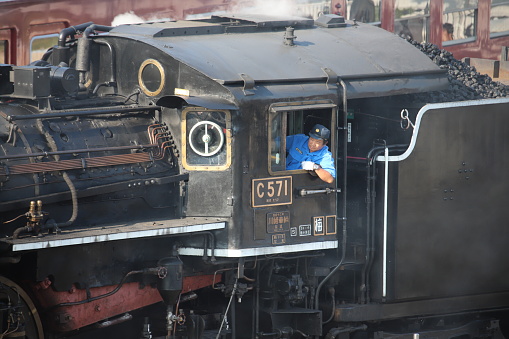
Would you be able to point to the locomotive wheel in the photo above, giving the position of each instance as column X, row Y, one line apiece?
column 11, row 292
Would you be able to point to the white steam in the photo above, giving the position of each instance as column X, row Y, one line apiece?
column 284, row 8
column 127, row 18
column 131, row 18
column 266, row 7
column 281, row 8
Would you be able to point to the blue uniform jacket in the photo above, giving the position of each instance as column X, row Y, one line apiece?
column 298, row 151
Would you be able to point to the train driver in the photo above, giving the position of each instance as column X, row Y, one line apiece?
column 311, row 153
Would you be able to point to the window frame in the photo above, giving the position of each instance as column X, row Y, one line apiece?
column 475, row 21
column 501, row 33
column 5, row 40
column 419, row 14
column 278, row 108
column 31, row 51
column 227, row 141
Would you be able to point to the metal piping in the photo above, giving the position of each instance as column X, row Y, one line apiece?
column 18, row 231
column 80, row 163
column 113, row 64
column 369, row 200
column 74, row 199
column 83, row 55
column 85, row 111
column 386, row 189
column 74, row 194
column 391, row 75
column 114, row 321
column 115, row 290
column 89, row 30
column 370, row 214
column 335, row 333
column 71, row 31
column 343, row 218
column 84, row 150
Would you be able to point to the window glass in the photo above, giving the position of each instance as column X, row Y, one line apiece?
column 206, row 139
column 311, row 8
column 3, row 51
column 289, row 122
column 411, row 19
column 5, row 36
column 364, row 10
column 278, row 142
column 459, row 19
column 499, row 19
column 40, row 44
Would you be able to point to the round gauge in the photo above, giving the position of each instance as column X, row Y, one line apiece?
column 206, row 138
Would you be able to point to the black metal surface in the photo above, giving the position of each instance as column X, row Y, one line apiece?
column 451, row 198
column 37, row 79
column 315, row 48
column 286, row 243
column 421, row 308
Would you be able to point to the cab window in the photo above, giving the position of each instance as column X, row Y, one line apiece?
column 298, row 119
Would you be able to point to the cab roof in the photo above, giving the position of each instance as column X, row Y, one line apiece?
column 230, row 49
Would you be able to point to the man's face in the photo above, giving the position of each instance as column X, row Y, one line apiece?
column 315, row 144
column 446, row 36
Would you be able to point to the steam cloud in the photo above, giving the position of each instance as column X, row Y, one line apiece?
column 265, row 7
column 283, row 8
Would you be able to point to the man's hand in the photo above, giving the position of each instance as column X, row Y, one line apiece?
column 323, row 174
column 308, row 165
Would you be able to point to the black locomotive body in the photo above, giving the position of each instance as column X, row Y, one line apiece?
column 143, row 176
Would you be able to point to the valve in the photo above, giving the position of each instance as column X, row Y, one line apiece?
column 172, row 319
column 35, row 216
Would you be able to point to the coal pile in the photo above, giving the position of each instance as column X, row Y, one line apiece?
column 465, row 82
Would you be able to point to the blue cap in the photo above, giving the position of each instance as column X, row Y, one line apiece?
column 319, row 132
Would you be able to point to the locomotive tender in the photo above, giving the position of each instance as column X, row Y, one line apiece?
column 143, row 176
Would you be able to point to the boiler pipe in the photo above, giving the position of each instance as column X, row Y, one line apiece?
column 81, row 112
column 85, row 150
column 71, row 31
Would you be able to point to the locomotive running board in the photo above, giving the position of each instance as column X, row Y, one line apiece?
column 155, row 228
column 254, row 251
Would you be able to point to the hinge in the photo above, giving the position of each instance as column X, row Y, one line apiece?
column 332, row 77
column 249, row 84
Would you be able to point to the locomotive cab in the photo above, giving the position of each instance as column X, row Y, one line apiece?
column 270, row 223
column 310, row 193
column 149, row 167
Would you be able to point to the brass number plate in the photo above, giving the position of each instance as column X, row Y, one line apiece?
column 272, row 191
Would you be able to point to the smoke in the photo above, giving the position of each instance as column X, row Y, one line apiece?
column 126, row 18
column 265, row 7
column 282, row 8
column 131, row 18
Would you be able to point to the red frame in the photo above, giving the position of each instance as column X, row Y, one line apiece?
column 22, row 20
column 483, row 46
column 25, row 19
column 130, row 296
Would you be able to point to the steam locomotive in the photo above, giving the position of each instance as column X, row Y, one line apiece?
column 143, row 184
